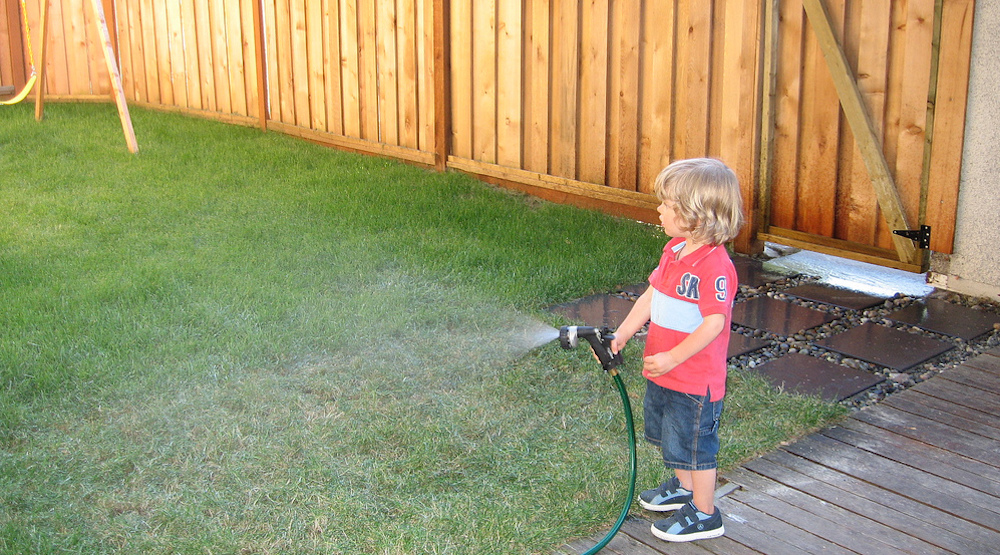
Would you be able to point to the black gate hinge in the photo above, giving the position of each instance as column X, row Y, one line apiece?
column 922, row 236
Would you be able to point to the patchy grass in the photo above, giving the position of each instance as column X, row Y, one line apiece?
column 236, row 342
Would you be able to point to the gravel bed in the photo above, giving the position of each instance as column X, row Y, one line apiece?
column 844, row 319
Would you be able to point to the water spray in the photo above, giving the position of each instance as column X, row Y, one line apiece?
column 600, row 341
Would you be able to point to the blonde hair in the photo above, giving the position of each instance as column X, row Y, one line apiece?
column 706, row 196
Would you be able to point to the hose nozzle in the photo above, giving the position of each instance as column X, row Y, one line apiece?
column 599, row 339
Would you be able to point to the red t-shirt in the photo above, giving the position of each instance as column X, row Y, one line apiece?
column 687, row 290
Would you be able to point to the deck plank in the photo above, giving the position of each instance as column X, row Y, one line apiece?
column 973, row 377
column 849, row 493
column 827, row 520
column 978, row 419
column 933, row 432
column 989, row 362
column 960, row 394
column 767, row 534
column 957, row 499
column 914, row 453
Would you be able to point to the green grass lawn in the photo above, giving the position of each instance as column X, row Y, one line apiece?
column 238, row 342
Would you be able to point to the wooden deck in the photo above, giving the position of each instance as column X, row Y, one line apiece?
column 917, row 473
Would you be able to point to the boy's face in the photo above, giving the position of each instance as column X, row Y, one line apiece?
column 672, row 224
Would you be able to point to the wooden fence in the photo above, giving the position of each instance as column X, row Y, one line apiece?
column 575, row 100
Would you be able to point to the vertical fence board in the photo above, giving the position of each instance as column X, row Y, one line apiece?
column 407, row 72
column 913, row 112
column 120, row 31
column 509, row 121
column 738, row 118
column 299, row 64
column 234, row 53
column 248, row 59
column 484, row 84
column 190, row 46
column 139, row 53
column 387, row 64
column 461, row 78
column 75, row 27
column 57, row 72
column 11, row 66
column 563, row 111
column 317, row 81
column 331, row 61
column 350, row 69
column 594, row 22
column 164, row 65
column 692, row 92
column 820, row 120
column 624, row 108
column 220, row 54
column 784, row 186
column 285, row 62
column 206, row 70
column 949, row 122
column 536, row 77
column 144, row 25
column 426, row 97
column 175, row 41
column 368, row 68
column 857, row 203
column 657, row 75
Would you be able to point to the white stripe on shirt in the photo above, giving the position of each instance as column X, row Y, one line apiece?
column 674, row 314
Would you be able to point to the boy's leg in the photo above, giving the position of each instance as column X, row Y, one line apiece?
column 667, row 496
column 703, row 490
column 701, row 484
column 690, row 448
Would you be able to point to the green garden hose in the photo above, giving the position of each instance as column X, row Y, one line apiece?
column 600, row 340
column 630, row 428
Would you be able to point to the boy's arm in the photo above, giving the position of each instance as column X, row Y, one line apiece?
column 661, row 363
column 637, row 317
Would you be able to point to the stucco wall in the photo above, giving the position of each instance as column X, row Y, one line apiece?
column 974, row 267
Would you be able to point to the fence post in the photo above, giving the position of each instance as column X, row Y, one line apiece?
column 258, row 44
column 442, row 84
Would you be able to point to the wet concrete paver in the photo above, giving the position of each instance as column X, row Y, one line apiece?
column 940, row 316
column 836, row 296
column 808, row 375
column 740, row 345
column 885, row 346
column 777, row 316
column 596, row 310
column 750, row 272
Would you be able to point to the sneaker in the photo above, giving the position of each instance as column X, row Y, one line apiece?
column 669, row 496
column 689, row 524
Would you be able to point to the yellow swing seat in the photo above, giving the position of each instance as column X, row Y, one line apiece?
column 31, row 60
column 24, row 92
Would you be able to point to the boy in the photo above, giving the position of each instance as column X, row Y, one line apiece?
column 688, row 305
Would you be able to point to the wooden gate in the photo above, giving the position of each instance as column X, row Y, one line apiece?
column 864, row 118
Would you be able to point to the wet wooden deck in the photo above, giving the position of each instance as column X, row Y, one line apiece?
column 917, row 473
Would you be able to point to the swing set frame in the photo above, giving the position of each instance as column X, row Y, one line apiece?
column 37, row 77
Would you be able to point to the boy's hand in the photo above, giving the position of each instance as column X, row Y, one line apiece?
column 618, row 343
column 659, row 364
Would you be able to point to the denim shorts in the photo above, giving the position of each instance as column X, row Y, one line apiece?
column 685, row 427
